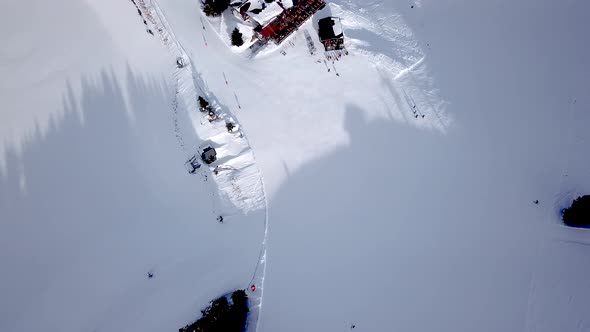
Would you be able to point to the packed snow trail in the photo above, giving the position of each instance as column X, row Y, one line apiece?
column 240, row 181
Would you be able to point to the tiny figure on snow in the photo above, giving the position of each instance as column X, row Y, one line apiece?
column 150, row 275
column 352, row 326
column 220, row 219
column 536, row 201
column 180, row 62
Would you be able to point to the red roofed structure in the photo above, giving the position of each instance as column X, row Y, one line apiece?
column 277, row 21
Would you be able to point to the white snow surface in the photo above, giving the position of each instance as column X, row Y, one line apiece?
column 337, row 201
column 267, row 13
column 94, row 194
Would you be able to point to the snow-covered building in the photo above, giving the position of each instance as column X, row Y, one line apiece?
column 330, row 33
column 262, row 13
column 278, row 19
column 209, row 154
column 332, row 37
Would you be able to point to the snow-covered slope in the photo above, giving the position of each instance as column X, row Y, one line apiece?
column 376, row 217
column 94, row 193
column 398, row 223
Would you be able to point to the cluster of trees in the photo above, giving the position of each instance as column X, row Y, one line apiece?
column 223, row 316
column 578, row 215
column 204, row 105
column 214, row 7
column 237, row 39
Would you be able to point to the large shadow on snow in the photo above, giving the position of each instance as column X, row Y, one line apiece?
column 396, row 230
column 105, row 190
column 341, row 220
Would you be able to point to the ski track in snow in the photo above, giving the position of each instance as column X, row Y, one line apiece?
column 366, row 28
column 239, row 180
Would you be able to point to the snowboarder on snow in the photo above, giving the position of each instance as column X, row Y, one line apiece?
column 150, row 275
column 536, row 201
column 220, row 219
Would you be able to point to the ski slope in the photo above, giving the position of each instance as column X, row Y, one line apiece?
column 94, row 193
column 338, row 203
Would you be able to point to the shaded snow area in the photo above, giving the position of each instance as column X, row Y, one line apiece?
column 95, row 194
column 392, row 189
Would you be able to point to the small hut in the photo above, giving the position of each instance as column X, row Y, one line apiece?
column 209, row 154
column 330, row 33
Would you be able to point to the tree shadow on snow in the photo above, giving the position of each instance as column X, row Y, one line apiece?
column 105, row 191
column 346, row 208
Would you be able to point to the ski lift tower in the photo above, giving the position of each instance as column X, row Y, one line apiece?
column 192, row 165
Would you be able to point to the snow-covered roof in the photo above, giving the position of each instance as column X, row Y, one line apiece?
column 287, row 3
column 329, row 28
column 262, row 12
column 337, row 28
